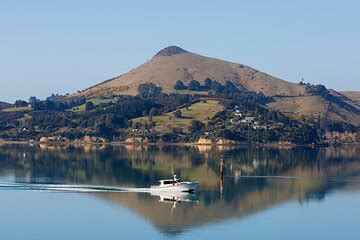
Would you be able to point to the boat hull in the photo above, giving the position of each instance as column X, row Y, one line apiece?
column 182, row 187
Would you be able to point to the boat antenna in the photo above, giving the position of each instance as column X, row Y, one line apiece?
column 172, row 172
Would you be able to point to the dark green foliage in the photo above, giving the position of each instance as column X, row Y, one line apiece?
column 52, row 103
column 8, row 120
column 324, row 124
column 196, row 127
column 89, row 106
column 35, row 103
column 20, row 103
column 112, row 119
column 230, row 88
column 179, row 85
column 170, row 102
column 207, row 84
column 217, row 87
column 194, row 85
column 103, row 130
column 169, row 137
column 153, row 112
column 278, row 127
column 149, row 90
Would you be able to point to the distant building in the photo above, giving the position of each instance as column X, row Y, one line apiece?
column 247, row 119
column 237, row 113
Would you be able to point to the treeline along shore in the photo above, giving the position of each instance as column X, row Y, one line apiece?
column 204, row 114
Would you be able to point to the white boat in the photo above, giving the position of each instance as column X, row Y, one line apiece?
column 174, row 185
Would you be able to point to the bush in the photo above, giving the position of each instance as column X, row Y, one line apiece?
column 89, row 106
column 194, row 85
column 149, row 90
column 196, row 126
column 208, row 83
column 179, row 85
column 20, row 103
column 153, row 112
column 217, row 87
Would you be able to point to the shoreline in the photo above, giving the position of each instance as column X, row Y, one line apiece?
column 181, row 144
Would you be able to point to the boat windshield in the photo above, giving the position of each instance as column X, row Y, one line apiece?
column 166, row 182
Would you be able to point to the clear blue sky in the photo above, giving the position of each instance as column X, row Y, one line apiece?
column 64, row 46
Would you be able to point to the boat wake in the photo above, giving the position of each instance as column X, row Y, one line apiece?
column 67, row 188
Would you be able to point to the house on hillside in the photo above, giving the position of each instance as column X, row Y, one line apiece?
column 247, row 120
column 237, row 113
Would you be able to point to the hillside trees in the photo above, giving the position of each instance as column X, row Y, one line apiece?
column 149, row 90
column 196, row 127
column 194, row 85
column 89, row 106
column 179, row 85
column 20, row 103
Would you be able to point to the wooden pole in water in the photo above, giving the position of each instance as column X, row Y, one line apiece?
column 222, row 166
column 221, row 175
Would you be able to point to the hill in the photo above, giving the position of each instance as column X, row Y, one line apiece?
column 173, row 63
column 5, row 105
column 210, row 101
column 353, row 95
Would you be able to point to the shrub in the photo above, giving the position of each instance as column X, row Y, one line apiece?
column 153, row 112
column 149, row 90
column 194, row 85
column 179, row 85
column 196, row 126
column 208, row 83
column 89, row 106
column 20, row 103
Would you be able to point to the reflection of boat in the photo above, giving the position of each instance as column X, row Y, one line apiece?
column 174, row 185
column 173, row 197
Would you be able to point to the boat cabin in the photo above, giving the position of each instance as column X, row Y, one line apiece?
column 168, row 182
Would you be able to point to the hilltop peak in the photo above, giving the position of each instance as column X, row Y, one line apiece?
column 171, row 50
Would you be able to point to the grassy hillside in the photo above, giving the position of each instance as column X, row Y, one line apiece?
column 308, row 105
column 17, row 109
column 202, row 111
column 353, row 95
column 317, row 106
column 164, row 69
column 95, row 101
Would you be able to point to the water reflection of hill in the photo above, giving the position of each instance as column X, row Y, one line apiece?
column 321, row 171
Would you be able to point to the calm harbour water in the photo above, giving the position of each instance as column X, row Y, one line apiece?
column 265, row 193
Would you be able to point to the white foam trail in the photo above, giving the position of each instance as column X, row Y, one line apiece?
column 67, row 188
